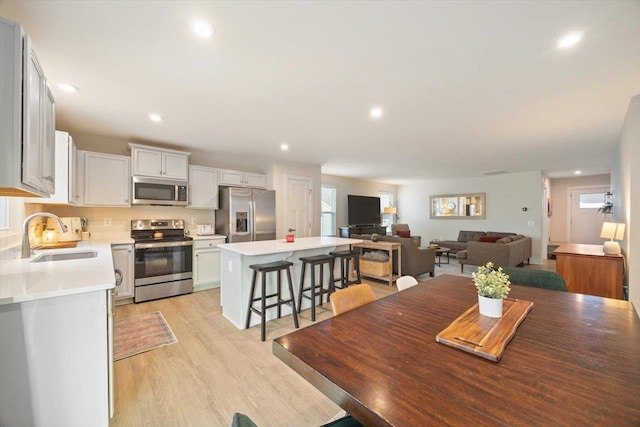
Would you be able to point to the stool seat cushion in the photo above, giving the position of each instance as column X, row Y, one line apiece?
column 271, row 266
column 316, row 259
column 343, row 253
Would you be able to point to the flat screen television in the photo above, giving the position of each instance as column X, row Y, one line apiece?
column 363, row 210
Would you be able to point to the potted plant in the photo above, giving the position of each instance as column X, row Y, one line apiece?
column 493, row 286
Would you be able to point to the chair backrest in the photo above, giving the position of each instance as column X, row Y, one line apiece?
column 406, row 282
column 536, row 278
column 352, row 297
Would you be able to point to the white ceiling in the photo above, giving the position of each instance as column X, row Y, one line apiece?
column 466, row 87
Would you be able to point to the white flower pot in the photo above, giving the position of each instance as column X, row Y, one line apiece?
column 490, row 307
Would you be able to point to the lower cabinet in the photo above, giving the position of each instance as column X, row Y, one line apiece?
column 55, row 361
column 123, row 265
column 206, row 263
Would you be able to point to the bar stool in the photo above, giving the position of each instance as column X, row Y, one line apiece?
column 276, row 266
column 316, row 289
column 343, row 257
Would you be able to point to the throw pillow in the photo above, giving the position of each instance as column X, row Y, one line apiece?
column 404, row 233
column 489, row 239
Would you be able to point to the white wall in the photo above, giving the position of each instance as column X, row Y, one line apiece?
column 506, row 195
column 558, row 230
column 345, row 186
column 625, row 186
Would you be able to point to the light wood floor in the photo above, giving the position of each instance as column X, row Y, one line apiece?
column 215, row 370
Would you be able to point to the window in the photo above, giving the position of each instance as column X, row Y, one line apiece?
column 328, row 220
column 386, row 200
column 591, row 200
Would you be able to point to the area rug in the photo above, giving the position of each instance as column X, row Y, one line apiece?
column 138, row 334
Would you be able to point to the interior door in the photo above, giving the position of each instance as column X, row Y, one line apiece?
column 299, row 208
column 586, row 221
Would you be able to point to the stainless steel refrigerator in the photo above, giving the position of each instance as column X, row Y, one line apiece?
column 246, row 214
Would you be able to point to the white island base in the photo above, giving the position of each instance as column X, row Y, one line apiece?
column 236, row 274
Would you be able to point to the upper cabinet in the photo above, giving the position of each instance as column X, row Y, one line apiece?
column 65, row 173
column 242, row 179
column 159, row 162
column 103, row 179
column 203, row 187
column 27, row 118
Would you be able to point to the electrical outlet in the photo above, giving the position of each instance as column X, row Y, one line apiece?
column 194, row 221
column 230, row 267
column 531, row 224
column 107, row 222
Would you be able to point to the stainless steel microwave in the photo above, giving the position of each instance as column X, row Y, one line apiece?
column 149, row 191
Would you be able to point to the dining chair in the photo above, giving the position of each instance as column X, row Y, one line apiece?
column 536, row 278
column 405, row 282
column 352, row 297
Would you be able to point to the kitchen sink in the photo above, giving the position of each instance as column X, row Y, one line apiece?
column 65, row 256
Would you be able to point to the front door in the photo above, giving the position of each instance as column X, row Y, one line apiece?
column 299, row 207
column 586, row 221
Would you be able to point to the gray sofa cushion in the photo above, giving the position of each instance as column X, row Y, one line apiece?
column 467, row 236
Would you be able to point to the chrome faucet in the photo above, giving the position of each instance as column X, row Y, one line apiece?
column 26, row 246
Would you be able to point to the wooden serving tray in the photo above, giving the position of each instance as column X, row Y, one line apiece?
column 485, row 336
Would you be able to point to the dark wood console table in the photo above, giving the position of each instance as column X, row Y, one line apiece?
column 588, row 270
column 362, row 229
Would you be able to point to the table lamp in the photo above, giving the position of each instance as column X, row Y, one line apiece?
column 391, row 210
column 612, row 230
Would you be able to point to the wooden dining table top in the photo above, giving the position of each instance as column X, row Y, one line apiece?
column 574, row 360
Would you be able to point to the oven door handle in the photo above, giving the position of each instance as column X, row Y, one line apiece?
column 163, row 244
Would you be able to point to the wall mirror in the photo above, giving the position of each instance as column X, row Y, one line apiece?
column 468, row 205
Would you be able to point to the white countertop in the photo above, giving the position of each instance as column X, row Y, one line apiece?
column 22, row 280
column 265, row 247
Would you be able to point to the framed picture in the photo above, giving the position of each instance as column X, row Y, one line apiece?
column 450, row 206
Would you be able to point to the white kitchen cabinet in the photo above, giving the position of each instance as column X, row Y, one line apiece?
column 105, row 179
column 65, row 173
column 27, row 118
column 203, row 187
column 159, row 163
column 123, row 264
column 55, row 359
column 235, row 178
column 206, row 263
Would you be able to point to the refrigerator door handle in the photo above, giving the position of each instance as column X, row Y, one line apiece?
column 252, row 220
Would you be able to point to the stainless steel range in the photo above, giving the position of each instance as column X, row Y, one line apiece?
column 163, row 259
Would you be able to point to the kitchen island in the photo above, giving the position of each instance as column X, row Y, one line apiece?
column 236, row 274
column 55, row 338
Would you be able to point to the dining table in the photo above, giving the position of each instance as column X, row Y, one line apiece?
column 574, row 360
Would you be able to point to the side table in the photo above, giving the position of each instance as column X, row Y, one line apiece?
column 442, row 251
column 388, row 247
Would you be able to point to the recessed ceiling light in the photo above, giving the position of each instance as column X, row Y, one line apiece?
column 569, row 40
column 67, row 87
column 154, row 117
column 284, row 147
column 578, row 172
column 376, row 112
column 203, row 29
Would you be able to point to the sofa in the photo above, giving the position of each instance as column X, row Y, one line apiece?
column 506, row 251
column 465, row 236
column 415, row 259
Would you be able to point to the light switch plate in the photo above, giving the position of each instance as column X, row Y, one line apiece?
column 531, row 224
column 107, row 222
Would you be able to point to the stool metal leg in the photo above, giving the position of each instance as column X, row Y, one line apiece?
column 263, row 314
column 293, row 299
column 251, row 297
column 279, row 293
column 332, row 286
column 304, row 265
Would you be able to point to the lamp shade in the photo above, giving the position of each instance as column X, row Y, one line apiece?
column 612, row 230
column 390, row 210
